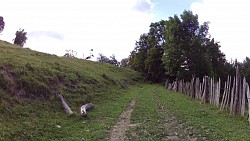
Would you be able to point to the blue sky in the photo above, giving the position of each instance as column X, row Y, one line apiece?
column 165, row 8
column 113, row 26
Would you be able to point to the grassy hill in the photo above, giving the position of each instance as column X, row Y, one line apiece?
column 29, row 81
column 30, row 109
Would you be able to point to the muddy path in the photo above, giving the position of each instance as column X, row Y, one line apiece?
column 119, row 130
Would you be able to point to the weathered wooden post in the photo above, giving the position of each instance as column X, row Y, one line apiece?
column 223, row 100
column 243, row 101
column 228, row 92
column 248, row 100
column 217, row 94
column 197, row 88
column 166, row 84
column 237, row 96
column 232, row 96
column 192, row 87
column 206, row 90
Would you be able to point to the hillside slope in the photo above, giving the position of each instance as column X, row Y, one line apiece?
column 29, row 81
column 30, row 74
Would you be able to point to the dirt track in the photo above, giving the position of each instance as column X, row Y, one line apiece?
column 174, row 130
column 119, row 130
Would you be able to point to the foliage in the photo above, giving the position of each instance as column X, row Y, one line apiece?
column 124, row 62
column 245, row 68
column 2, row 24
column 146, row 56
column 70, row 53
column 112, row 60
column 189, row 50
column 20, row 37
column 177, row 48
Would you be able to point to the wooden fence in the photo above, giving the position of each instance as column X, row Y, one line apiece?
column 232, row 98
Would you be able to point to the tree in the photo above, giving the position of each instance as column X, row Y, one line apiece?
column 177, row 48
column 113, row 60
column 246, row 68
column 148, row 51
column 188, row 49
column 102, row 58
column 124, row 62
column 20, row 37
column 2, row 24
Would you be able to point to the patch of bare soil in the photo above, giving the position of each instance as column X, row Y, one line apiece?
column 123, row 123
column 174, row 129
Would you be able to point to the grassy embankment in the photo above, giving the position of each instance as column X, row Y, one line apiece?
column 30, row 109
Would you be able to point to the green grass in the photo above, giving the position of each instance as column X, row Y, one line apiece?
column 206, row 119
column 30, row 109
column 203, row 119
column 37, row 73
column 146, row 117
column 38, row 120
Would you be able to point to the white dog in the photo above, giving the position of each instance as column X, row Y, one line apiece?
column 84, row 108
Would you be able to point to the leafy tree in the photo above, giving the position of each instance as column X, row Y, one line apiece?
column 20, row 37
column 217, row 59
column 124, row 62
column 102, row 58
column 177, row 48
column 70, row 53
column 2, row 24
column 246, row 68
column 139, row 54
column 113, row 60
column 146, row 57
column 189, row 50
column 154, row 65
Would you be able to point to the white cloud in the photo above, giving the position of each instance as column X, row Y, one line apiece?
column 51, row 34
column 229, row 24
column 144, row 5
column 107, row 26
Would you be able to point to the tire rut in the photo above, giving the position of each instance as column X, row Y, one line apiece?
column 119, row 130
column 175, row 130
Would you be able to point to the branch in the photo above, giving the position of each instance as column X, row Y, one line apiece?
column 65, row 105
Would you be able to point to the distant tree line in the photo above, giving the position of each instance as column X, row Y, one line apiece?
column 179, row 48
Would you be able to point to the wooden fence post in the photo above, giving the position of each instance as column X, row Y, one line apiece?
column 217, row 94
column 232, row 97
column 248, row 99
column 243, row 101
